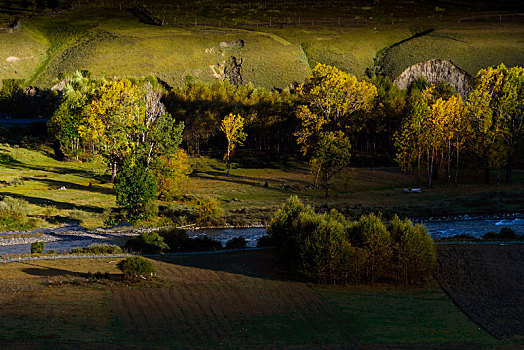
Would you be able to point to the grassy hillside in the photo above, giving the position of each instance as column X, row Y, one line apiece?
column 115, row 42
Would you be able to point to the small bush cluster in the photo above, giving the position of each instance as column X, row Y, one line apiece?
column 171, row 240
column 236, row 243
column 13, row 215
column 178, row 214
column 505, row 233
column 37, row 247
column 135, row 267
column 147, row 242
column 178, row 241
column 208, row 212
column 327, row 248
column 98, row 249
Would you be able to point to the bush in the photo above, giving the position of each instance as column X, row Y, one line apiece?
column 13, row 215
column 99, row 249
column 507, row 233
column 201, row 244
column 179, row 214
column 171, row 173
column 178, row 241
column 37, row 247
column 135, row 188
column 236, row 243
column 264, row 241
column 208, row 212
column 135, row 267
column 147, row 242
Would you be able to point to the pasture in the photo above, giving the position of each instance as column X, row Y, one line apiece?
column 221, row 300
column 35, row 177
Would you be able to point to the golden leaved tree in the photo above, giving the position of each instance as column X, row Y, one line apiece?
column 233, row 126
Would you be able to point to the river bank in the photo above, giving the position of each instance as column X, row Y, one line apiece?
column 67, row 237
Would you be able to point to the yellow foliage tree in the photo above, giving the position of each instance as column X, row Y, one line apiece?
column 332, row 99
column 233, row 126
column 170, row 174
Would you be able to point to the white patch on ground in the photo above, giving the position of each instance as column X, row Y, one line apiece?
column 12, row 59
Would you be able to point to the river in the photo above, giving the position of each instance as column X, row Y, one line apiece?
column 437, row 228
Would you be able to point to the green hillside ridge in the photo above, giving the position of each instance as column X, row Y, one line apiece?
column 116, row 43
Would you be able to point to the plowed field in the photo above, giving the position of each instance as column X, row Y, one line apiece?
column 487, row 283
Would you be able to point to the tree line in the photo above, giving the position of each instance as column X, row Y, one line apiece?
column 330, row 119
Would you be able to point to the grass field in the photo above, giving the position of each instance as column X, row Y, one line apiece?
column 226, row 300
column 113, row 42
column 37, row 178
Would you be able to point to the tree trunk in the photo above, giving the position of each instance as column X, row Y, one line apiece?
column 316, row 177
column 227, row 160
column 113, row 172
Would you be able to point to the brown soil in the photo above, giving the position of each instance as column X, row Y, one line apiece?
column 487, row 283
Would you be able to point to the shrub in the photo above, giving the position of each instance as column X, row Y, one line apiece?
column 208, row 212
column 100, row 249
column 147, row 242
column 491, row 235
column 236, row 243
column 170, row 174
column 178, row 241
column 135, row 188
column 203, row 244
column 179, row 214
column 49, row 212
column 507, row 233
column 136, row 266
column 264, row 241
column 37, row 247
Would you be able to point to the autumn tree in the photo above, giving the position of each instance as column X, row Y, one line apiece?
column 497, row 115
column 434, row 132
column 332, row 99
column 170, row 173
column 125, row 120
column 65, row 123
column 233, row 126
column 330, row 156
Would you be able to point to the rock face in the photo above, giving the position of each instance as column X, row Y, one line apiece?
column 435, row 71
column 233, row 71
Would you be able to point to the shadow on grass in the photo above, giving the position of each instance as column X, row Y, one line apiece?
column 252, row 263
column 248, row 180
column 8, row 161
column 60, row 205
column 60, row 220
column 51, row 272
column 72, row 186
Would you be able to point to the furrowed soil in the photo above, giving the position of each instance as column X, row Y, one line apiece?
column 487, row 283
column 227, row 301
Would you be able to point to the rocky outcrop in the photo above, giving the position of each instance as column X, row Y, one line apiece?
column 233, row 71
column 435, row 71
